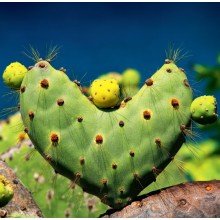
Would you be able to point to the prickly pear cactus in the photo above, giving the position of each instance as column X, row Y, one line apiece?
column 55, row 195
column 6, row 191
column 112, row 153
column 204, row 110
column 46, row 186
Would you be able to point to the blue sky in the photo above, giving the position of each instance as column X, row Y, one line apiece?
column 100, row 37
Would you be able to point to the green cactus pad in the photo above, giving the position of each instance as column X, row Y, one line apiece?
column 204, row 110
column 111, row 153
column 6, row 191
column 14, row 74
column 105, row 93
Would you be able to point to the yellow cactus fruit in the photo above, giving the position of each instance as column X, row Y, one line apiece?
column 105, row 93
column 6, row 191
column 14, row 74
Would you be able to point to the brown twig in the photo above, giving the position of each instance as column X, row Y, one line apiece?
column 187, row 200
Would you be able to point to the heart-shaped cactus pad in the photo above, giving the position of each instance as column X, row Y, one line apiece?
column 112, row 153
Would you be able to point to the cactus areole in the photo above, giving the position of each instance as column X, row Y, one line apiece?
column 112, row 153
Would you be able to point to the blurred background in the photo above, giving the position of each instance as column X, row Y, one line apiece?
column 96, row 38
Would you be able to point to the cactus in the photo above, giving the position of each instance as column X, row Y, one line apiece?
column 14, row 74
column 41, row 180
column 46, row 186
column 206, row 167
column 53, row 193
column 6, row 191
column 55, row 146
column 204, row 110
column 98, row 149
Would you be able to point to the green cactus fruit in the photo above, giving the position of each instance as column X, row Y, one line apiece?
column 14, row 74
column 130, row 82
column 131, row 77
column 204, row 110
column 6, row 191
column 112, row 75
column 105, row 93
column 111, row 153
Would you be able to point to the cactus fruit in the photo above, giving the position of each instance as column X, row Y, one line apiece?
column 112, row 75
column 111, row 153
column 128, row 81
column 6, row 191
column 204, row 110
column 14, row 74
column 105, row 93
column 131, row 77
